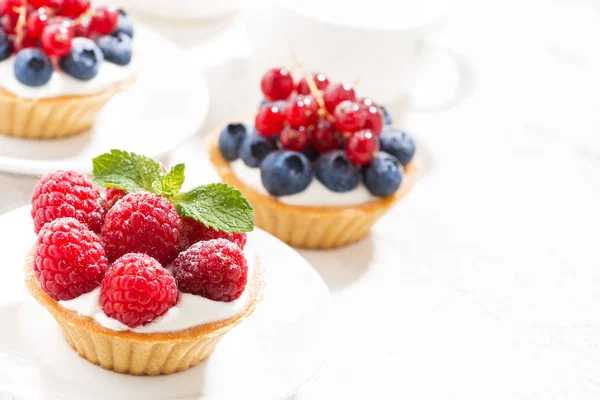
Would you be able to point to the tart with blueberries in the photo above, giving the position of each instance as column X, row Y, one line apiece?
column 319, row 164
column 60, row 63
column 146, row 281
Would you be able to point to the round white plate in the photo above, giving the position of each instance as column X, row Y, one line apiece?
column 269, row 356
column 167, row 103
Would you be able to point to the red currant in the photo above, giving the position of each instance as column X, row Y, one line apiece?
column 362, row 147
column 56, row 39
column 7, row 7
column 277, row 84
column 83, row 30
column 54, row 4
column 9, row 23
column 336, row 93
column 301, row 111
column 325, row 137
column 269, row 121
column 74, row 8
column 349, row 116
column 321, row 82
column 295, row 139
column 36, row 22
column 26, row 43
column 104, row 20
column 37, row 3
column 374, row 119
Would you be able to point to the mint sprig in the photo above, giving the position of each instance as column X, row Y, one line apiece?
column 216, row 205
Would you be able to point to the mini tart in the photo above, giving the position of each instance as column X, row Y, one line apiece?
column 310, row 227
column 55, row 117
column 134, row 353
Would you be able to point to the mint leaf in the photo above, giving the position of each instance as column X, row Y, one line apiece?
column 217, row 205
column 173, row 181
column 128, row 171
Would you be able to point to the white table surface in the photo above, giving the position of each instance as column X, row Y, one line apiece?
column 485, row 282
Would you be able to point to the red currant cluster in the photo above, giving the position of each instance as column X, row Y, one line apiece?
column 319, row 113
column 52, row 24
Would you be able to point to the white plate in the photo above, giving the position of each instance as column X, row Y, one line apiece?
column 167, row 103
column 269, row 356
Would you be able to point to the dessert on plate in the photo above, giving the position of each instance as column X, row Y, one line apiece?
column 148, row 280
column 60, row 63
column 319, row 164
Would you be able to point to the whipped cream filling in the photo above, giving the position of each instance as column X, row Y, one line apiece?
column 190, row 310
column 315, row 195
column 61, row 84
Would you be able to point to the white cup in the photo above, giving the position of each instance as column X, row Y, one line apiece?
column 384, row 54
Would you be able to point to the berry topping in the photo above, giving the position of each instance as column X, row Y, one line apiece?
column 142, row 223
column 33, row 67
column 284, row 173
column 69, row 259
column 105, row 20
column 57, row 39
column 383, row 176
column 83, row 61
column 116, row 48
column 336, row 93
column 36, row 22
column 255, row 148
column 67, row 194
column 295, row 139
column 269, row 121
column 349, row 116
column 74, row 8
column 373, row 120
column 337, row 172
column 325, row 137
column 277, row 84
column 124, row 25
column 320, row 80
column 215, row 269
column 7, row 7
column 194, row 231
column 398, row 144
column 5, row 49
column 301, row 111
column 361, row 147
column 136, row 290
column 231, row 139
column 37, row 3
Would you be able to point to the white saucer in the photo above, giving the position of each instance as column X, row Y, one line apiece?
column 167, row 103
column 269, row 356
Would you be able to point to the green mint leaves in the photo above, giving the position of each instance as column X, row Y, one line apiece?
column 217, row 205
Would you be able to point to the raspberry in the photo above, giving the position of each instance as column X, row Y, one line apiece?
column 67, row 194
column 215, row 269
column 142, row 223
column 69, row 259
column 113, row 195
column 137, row 290
column 194, row 231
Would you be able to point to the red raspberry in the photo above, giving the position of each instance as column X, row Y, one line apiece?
column 137, row 290
column 194, row 231
column 215, row 269
column 67, row 194
column 112, row 196
column 69, row 259
column 142, row 223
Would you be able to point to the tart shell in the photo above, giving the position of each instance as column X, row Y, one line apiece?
column 310, row 227
column 140, row 353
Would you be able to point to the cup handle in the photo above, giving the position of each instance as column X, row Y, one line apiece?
column 457, row 65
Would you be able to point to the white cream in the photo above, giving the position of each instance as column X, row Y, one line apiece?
column 61, row 84
column 315, row 195
column 190, row 310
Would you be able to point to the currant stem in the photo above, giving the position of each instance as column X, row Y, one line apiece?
column 21, row 23
column 316, row 93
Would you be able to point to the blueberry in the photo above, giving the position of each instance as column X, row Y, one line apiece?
column 124, row 25
column 116, row 48
column 255, row 148
column 33, row 67
column 383, row 176
column 84, row 59
column 231, row 139
column 4, row 46
column 336, row 172
column 311, row 153
column 386, row 115
column 284, row 173
column 397, row 143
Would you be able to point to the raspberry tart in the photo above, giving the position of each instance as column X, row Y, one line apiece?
column 60, row 63
column 149, row 283
column 319, row 164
